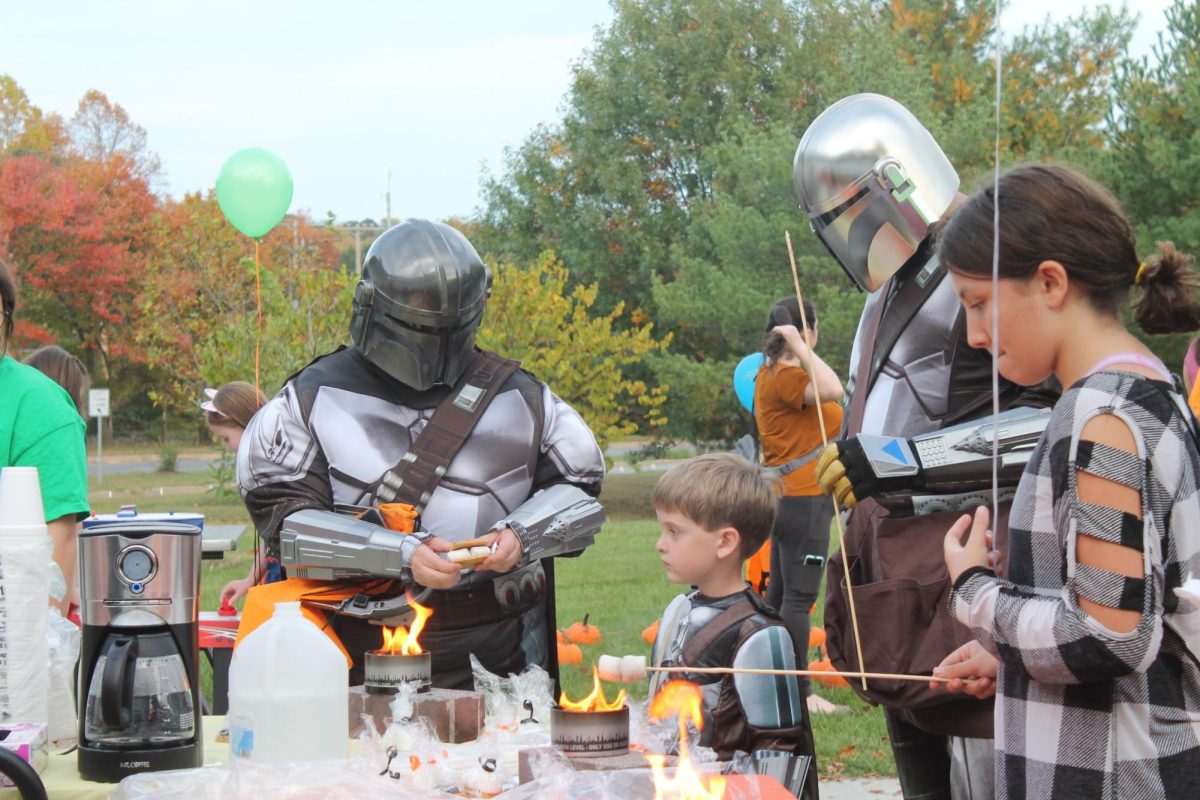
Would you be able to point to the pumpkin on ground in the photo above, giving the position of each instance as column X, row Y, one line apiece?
column 816, row 637
column 570, row 654
column 650, row 633
column 583, row 633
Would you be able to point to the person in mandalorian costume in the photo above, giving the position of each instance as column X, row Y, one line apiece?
column 917, row 441
column 415, row 413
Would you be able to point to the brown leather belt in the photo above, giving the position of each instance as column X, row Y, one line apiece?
column 478, row 605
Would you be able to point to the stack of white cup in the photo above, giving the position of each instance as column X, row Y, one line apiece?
column 25, row 555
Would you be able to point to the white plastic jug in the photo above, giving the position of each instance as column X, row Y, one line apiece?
column 288, row 694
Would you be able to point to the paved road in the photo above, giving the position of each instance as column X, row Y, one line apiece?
column 124, row 464
column 114, row 467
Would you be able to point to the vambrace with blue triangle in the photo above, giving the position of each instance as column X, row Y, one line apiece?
column 957, row 459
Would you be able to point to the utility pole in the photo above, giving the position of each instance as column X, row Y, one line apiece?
column 389, row 199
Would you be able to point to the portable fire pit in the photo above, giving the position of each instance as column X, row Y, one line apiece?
column 401, row 659
column 592, row 727
column 385, row 671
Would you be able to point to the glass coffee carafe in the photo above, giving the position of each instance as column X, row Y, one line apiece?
column 139, row 693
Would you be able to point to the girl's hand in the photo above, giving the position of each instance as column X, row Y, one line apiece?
column 971, row 669
column 962, row 554
column 795, row 342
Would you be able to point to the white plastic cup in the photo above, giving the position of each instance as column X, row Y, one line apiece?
column 25, row 557
column 20, row 501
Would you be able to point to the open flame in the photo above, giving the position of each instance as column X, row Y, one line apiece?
column 596, row 701
column 683, row 699
column 404, row 640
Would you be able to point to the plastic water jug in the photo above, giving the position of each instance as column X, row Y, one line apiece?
column 288, row 694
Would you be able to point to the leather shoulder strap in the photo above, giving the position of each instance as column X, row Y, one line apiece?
column 416, row 475
column 731, row 617
column 895, row 313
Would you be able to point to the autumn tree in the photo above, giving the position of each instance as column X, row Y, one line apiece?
column 558, row 335
column 75, row 233
column 24, row 128
column 199, row 311
column 101, row 131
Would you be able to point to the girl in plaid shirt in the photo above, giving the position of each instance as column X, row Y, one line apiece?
column 1092, row 654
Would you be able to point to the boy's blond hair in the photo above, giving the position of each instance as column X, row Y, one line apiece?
column 716, row 490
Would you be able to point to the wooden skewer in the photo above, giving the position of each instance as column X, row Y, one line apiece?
column 837, row 511
column 804, row 672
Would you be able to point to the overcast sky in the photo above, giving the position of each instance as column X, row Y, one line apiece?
column 342, row 92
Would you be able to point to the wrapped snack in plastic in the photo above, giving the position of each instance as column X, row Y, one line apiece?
column 517, row 706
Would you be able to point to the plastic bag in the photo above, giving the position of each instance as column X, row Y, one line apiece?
column 336, row 779
column 63, row 639
column 516, row 706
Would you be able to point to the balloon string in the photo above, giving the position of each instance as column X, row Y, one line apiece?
column 258, row 330
column 257, row 389
column 999, row 44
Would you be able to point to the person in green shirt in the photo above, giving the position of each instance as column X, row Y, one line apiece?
column 40, row 427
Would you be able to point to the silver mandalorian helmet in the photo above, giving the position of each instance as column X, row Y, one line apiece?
column 419, row 302
column 872, row 181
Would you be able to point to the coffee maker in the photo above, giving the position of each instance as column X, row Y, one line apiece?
column 139, row 677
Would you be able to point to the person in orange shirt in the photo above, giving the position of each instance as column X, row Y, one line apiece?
column 786, row 389
column 1191, row 361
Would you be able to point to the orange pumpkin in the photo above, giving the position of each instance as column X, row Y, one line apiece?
column 569, row 654
column 832, row 680
column 583, row 633
column 816, row 637
column 651, row 632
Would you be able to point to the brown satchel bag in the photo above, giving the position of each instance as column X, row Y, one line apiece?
column 901, row 589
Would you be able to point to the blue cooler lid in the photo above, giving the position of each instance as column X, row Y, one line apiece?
column 130, row 514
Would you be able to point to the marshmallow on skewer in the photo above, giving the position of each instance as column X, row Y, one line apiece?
column 633, row 668
column 609, row 668
column 621, row 669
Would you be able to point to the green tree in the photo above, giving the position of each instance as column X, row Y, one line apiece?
column 1153, row 158
column 612, row 187
column 560, row 337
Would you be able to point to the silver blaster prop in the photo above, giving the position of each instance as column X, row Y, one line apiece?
column 324, row 545
column 959, row 458
column 559, row 519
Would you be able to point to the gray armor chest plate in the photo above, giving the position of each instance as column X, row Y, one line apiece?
column 909, row 396
column 363, row 436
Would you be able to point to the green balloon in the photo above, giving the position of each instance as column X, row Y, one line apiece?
column 254, row 190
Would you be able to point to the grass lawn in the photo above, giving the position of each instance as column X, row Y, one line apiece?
column 618, row 581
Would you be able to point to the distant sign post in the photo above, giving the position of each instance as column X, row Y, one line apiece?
column 98, row 408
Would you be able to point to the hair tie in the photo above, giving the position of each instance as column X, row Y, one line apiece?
column 1137, row 279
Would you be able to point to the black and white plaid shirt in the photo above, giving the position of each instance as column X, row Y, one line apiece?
column 1083, row 711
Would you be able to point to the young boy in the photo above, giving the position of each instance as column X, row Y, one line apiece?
column 715, row 511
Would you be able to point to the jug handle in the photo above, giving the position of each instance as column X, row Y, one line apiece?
column 116, row 684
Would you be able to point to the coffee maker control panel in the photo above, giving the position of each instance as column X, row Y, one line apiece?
column 124, row 570
column 136, row 565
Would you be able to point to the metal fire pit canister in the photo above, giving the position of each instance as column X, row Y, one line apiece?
column 590, row 733
column 384, row 672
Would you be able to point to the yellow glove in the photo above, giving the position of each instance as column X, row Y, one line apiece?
column 831, row 475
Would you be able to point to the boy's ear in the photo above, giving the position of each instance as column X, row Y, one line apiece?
column 729, row 542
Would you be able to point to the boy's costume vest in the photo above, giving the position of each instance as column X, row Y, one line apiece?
column 741, row 712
